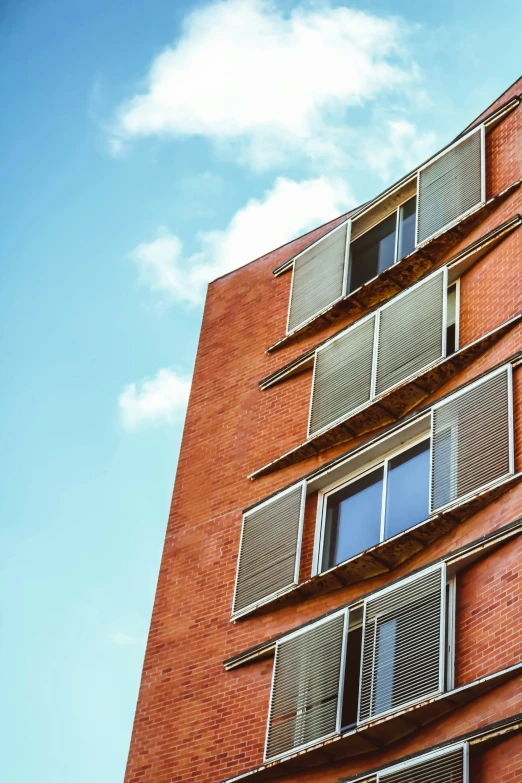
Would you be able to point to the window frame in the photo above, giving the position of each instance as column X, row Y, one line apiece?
column 345, row 611
column 382, row 774
column 477, row 129
column 396, row 260
column 350, row 478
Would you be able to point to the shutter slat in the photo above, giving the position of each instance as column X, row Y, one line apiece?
column 401, row 644
column 342, row 375
column 269, row 549
column 410, row 332
column 448, row 767
column 471, row 440
column 318, row 277
column 450, row 186
column 305, row 687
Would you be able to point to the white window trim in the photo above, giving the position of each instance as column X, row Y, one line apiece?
column 247, row 609
column 377, row 314
column 347, row 224
column 511, row 436
column 346, row 612
column 350, row 478
column 451, row 615
column 442, row 647
column 383, row 774
column 478, row 129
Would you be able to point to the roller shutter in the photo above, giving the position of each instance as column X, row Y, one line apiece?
column 447, row 767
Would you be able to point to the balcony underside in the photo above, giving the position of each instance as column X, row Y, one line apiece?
column 377, row 734
column 392, row 405
column 398, row 277
column 386, row 556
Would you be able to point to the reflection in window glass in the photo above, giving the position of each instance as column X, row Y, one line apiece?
column 353, row 519
column 385, row 666
column 407, row 228
column 373, row 252
column 407, row 493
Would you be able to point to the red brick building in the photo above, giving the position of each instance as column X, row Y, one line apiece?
column 340, row 594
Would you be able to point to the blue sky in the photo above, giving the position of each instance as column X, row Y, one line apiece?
column 146, row 148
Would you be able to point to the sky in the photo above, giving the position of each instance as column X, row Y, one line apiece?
column 147, row 148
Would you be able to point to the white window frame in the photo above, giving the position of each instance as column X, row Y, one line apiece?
column 376, row 314
column 383, row 774
column 480, row 129
column 350, row 478
column 511, row 436
column 282, row 591
column 442, row 646
column 348, row 224
column 396, row 259
column 346, row 612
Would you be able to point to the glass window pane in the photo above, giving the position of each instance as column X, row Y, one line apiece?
column 373, row 252
column 407, row 228
column 407, row 494
column 385, row 666
column 353, row 519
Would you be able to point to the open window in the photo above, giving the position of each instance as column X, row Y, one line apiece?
column 360, row 663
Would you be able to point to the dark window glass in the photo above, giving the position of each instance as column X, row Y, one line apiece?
column 451, row 331
column 353, row 519
column 372, row 253
column 407, row 493
column 407, row 228
column 386, row 641
column 352, row 678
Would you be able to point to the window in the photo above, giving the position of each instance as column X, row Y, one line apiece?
column 383, row 245
column 449, row 765
column 378, row 505
column 360, row 662
column 452, row 333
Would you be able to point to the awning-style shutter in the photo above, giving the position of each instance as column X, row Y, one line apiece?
column 448, row 766
column 411, row 332
column 451, row 185
column 318, row 277
column 471, row 439
column 305, row 686
column 403, row 643
column 342, row 375
column 270, row 548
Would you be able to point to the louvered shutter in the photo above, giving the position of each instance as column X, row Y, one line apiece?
column 471, row 439
column 305, row 686
column 342, row 375
column 450, row 186
column 410, row 332
column 318, row 277
column 269, row 550
column 450, row 766
column 402, row 639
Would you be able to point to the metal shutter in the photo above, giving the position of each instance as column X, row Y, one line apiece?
column 447, row 767
column 471, row 439
column 450, row 186
column 318, row 277
column 305, row 686
column 269, row 549
column 342, row 375
column 402, row 644
column 410, row 332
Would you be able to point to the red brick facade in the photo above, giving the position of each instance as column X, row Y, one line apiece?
column 196, row 721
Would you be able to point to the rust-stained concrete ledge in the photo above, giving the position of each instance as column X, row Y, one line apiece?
column 389, row 554
column 397, row 277
column 391, row 405
column 374, row 735
column 455, row 561
column 457, row 266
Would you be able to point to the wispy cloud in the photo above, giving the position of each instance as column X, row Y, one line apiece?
column 287, row 210
column 121, row 639
column 277, row 84
column 161, row 399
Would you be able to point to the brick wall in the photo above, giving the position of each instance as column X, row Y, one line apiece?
column 194, row 721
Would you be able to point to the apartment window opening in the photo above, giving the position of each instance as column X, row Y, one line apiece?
column 380, row 504
column 451, row 320
column 352, row 671
column 383, row 245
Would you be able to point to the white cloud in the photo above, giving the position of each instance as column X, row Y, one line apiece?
column 245, row 71
column 397, row 144
column 123, row 639
column 162, row 398
column 288, row 210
